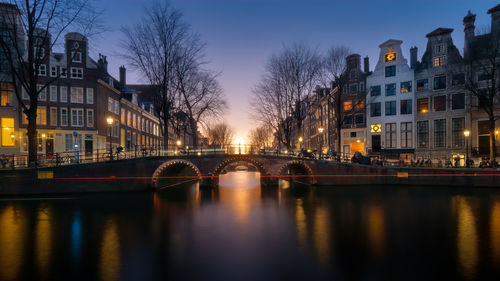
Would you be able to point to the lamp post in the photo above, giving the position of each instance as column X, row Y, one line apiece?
column 110, row 120
column 466, row 134
column 320, row 130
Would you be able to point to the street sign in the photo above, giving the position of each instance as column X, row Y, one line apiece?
column 75, row 134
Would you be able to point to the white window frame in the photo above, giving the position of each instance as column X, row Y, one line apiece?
column 64, row 90
column 53, row 93
column 65, row 109
column 42, row 70
column 90, row 113
column 53, row 71
column 76, row 56
column 90, row 95
column 64, row 72
column 77, row 73
column 52, row 123
column 79, row 98
column 42, row 96
column 74, row 122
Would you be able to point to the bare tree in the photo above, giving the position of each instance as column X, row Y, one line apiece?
column 220, row 134
column 261, row 137
column 30, row 29
column 483, row 82
column 152, row 46
column 200, row 94
column 289, row 78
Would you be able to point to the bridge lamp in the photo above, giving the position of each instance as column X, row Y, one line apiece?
column 466, row 134
column 300, row 139
column 199, row 153
column 179, row 142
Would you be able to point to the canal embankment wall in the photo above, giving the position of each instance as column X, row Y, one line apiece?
column 135, row 175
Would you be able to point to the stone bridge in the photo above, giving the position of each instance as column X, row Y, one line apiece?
column 211, row 166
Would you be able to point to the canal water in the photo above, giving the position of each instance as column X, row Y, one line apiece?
column 242, row 231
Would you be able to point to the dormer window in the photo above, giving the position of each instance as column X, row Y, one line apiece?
column 39, row 53
column 352, row 75
column 76, row 56
column 439, row 61
column 439, row 48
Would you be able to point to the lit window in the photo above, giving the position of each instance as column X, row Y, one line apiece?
column 359, row 105
column 405, row 87
column 122, row 116
column 41, row 116
column 8, row 132
column 5, row 94
column 347, row 105
column 439, row 61
column 375, row 128
column 423, row 105
column 53, row 116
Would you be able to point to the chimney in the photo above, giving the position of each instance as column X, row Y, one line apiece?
column 123, row 76
column 102, row 64
column 469, row 28
column 413, row 57
column 367, row 64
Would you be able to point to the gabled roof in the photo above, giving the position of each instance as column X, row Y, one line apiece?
column 494, row 9
column 390, row 42
column 439, row 31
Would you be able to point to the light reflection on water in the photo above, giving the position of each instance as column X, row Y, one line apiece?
column 244, row 231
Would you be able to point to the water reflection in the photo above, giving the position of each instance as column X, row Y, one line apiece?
column 110, row 257
column 322, row 234
column 241, row 230
column 376, row 229
column 12, row 241
column 43, row 243
column 467, row 240
column 495, row 233
column 240, row 191
column 301, row 224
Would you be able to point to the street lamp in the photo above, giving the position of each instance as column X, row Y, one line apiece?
column 110, row 120
column 320, row 130
column 466, row 134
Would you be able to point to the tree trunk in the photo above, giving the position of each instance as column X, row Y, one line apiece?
column 194, row 131
column 32, row 137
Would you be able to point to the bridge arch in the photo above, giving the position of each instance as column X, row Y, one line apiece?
column 219, row 168
column 174, row 167
column 297, row 167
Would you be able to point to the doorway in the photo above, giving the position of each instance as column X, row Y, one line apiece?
column 49, row 146
column 376, row 143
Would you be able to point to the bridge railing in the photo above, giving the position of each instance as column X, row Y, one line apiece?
column 70, row 157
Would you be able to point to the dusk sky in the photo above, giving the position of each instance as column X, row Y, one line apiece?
column 242, row 34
